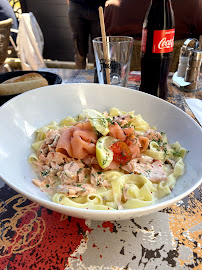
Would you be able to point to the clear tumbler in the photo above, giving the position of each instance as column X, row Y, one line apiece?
column 113, row 65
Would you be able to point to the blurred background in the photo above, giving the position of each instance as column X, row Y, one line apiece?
column 52, row 17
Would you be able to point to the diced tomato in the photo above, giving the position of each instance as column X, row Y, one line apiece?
column 122, row 154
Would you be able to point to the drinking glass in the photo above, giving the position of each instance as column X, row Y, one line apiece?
column 113, row 64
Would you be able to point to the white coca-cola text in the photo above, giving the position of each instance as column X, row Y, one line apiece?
column 164, row 43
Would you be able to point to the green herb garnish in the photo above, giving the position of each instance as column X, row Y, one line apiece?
column 44, row 173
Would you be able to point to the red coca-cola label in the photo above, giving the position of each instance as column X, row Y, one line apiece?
column 163, row 41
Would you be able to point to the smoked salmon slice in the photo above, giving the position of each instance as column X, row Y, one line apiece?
column 78, row 141
column 136, row 142
column 116, row 132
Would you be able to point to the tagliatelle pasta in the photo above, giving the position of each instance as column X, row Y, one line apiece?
column 132, row 165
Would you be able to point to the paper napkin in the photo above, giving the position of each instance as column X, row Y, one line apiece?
column 196, row 107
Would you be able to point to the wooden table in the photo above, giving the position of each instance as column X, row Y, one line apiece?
column 33, row 237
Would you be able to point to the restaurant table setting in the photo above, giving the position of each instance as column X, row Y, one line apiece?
column 35, row 237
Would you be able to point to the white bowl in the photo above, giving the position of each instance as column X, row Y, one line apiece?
column 22, row 115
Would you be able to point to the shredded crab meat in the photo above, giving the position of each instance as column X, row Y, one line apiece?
column 153, row 170
column 76, row 191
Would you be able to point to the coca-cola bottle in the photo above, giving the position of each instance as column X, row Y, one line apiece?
column 157, row 47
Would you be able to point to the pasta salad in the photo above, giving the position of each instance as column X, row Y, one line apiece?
column 105, row 161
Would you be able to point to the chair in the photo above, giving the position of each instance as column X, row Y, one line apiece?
column 200, row 43
column 136, row 62
column 5, row 27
